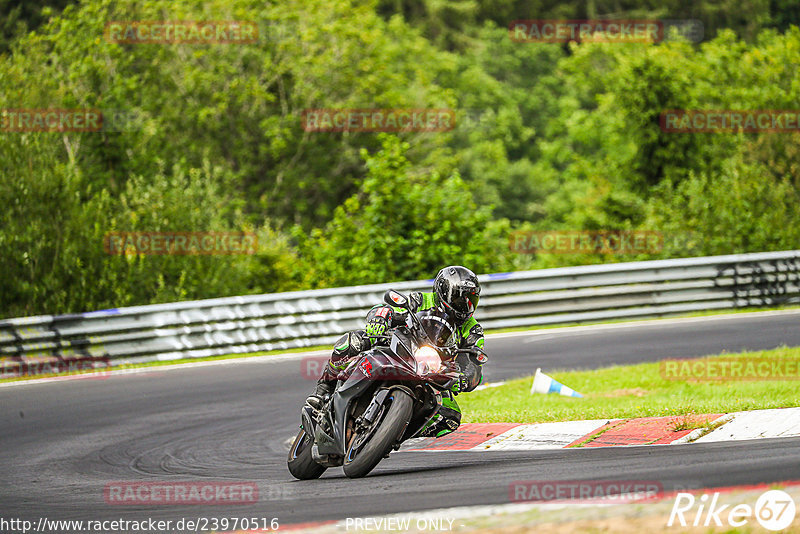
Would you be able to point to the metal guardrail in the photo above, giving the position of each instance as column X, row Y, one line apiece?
column 318, row 317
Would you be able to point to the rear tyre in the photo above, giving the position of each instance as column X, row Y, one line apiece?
column 361, row 458
column 301, row 464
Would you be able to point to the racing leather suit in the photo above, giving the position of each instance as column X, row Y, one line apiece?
column 383, row 317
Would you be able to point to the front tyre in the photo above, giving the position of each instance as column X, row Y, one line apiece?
column 301, row 464
column 362, row 457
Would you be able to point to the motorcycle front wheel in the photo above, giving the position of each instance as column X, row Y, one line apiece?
column 366, row 451
column 301, row 464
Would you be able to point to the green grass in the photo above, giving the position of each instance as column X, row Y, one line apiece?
column 631, row 391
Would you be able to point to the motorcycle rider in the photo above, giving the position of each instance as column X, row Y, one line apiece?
column 456, row 290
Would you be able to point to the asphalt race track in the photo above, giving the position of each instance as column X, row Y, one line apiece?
column 62, row 442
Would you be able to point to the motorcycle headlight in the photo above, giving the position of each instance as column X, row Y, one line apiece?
column 428, row 360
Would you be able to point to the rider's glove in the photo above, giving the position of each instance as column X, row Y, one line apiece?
column 376, row 326
column 461, row 384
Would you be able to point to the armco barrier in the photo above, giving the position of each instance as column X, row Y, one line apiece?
column 305, row 318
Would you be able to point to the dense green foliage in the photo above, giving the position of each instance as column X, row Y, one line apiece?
column 395, row 225
column 19, row 16
column 548, row 137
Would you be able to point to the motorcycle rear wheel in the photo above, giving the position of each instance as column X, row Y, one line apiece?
column 301, row 464
column 358, row 463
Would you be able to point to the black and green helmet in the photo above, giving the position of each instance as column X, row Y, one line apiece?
column 457, row 289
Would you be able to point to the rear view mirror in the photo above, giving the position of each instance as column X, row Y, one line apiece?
column 393, row 298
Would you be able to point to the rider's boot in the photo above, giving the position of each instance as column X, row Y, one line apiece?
column 446, row 421
column 324, row 387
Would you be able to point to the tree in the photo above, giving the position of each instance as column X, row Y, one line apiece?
column 404, row 225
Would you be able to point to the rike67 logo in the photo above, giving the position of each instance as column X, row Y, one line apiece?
column 774, row 510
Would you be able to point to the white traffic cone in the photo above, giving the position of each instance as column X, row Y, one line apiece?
column 545, row 384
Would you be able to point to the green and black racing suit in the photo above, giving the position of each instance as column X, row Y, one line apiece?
column 383, row 317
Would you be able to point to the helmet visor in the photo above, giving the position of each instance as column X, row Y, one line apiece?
column 465, row 304
column 463, row 300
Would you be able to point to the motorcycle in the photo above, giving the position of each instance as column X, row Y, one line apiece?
column 385, row 396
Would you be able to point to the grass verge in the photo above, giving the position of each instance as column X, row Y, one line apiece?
column 634, row 391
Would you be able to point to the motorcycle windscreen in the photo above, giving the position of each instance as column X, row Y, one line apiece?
column 439, row 327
